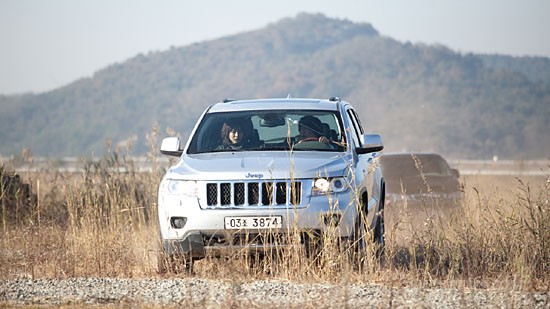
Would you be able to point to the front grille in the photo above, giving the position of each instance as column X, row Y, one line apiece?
column 276, row 193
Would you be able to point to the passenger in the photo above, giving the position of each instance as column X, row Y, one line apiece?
column 233, row 136
column 311, row 129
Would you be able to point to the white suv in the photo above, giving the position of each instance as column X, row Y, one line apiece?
column 255, row 171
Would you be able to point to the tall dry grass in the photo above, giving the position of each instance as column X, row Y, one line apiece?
column 101, row 221
column 95, row 222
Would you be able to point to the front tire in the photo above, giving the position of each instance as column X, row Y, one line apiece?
column 360, row 235
column 379, row 236
column 173, row 264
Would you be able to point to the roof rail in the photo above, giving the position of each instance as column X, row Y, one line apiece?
column 334, row 99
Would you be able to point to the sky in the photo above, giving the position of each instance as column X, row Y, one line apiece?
column 46, row 44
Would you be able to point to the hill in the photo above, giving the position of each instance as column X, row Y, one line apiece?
column 418, row 97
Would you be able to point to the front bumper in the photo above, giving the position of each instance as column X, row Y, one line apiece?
column 204, row 232
column 198, row 245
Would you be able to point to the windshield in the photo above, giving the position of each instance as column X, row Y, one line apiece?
column 297, row 130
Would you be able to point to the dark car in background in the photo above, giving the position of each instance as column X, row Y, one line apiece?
column 420, row 179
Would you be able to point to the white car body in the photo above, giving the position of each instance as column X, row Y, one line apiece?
column 215, row 200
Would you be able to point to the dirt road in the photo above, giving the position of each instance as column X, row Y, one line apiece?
column 193, row 292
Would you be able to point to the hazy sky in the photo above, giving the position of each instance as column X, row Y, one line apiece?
column 46, row 44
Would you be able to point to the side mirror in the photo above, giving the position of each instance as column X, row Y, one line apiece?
column 370, row 143
column 170, row 146
column 455, row 172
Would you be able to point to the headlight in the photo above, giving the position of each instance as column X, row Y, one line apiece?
column 183, row 187
column 330, row 185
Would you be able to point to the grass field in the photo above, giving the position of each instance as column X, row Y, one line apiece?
column 101, row 222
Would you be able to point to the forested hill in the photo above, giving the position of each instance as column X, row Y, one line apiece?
column 419, row 97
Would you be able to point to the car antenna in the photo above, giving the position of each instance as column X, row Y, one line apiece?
column 289, row 96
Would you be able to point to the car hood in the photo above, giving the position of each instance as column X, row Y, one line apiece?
column 259, row 165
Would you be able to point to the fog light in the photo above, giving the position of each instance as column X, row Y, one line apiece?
column 178, row 222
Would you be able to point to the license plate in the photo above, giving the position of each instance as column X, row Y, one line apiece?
column 243, row 223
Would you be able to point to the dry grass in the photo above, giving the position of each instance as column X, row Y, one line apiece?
column 102, row 222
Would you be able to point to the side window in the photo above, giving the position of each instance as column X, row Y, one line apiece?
column 356, row 129
column 358, row 121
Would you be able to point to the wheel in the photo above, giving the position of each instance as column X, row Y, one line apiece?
column 360, row 239
column 163, row 262
column 378, row 233
column 174, row 263
column 379, row 236
column 312, row 245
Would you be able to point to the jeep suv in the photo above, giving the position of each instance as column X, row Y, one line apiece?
column 299, row 166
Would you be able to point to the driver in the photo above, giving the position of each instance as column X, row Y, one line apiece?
column 311, row 129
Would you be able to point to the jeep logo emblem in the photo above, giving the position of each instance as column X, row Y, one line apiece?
column 258, row 176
